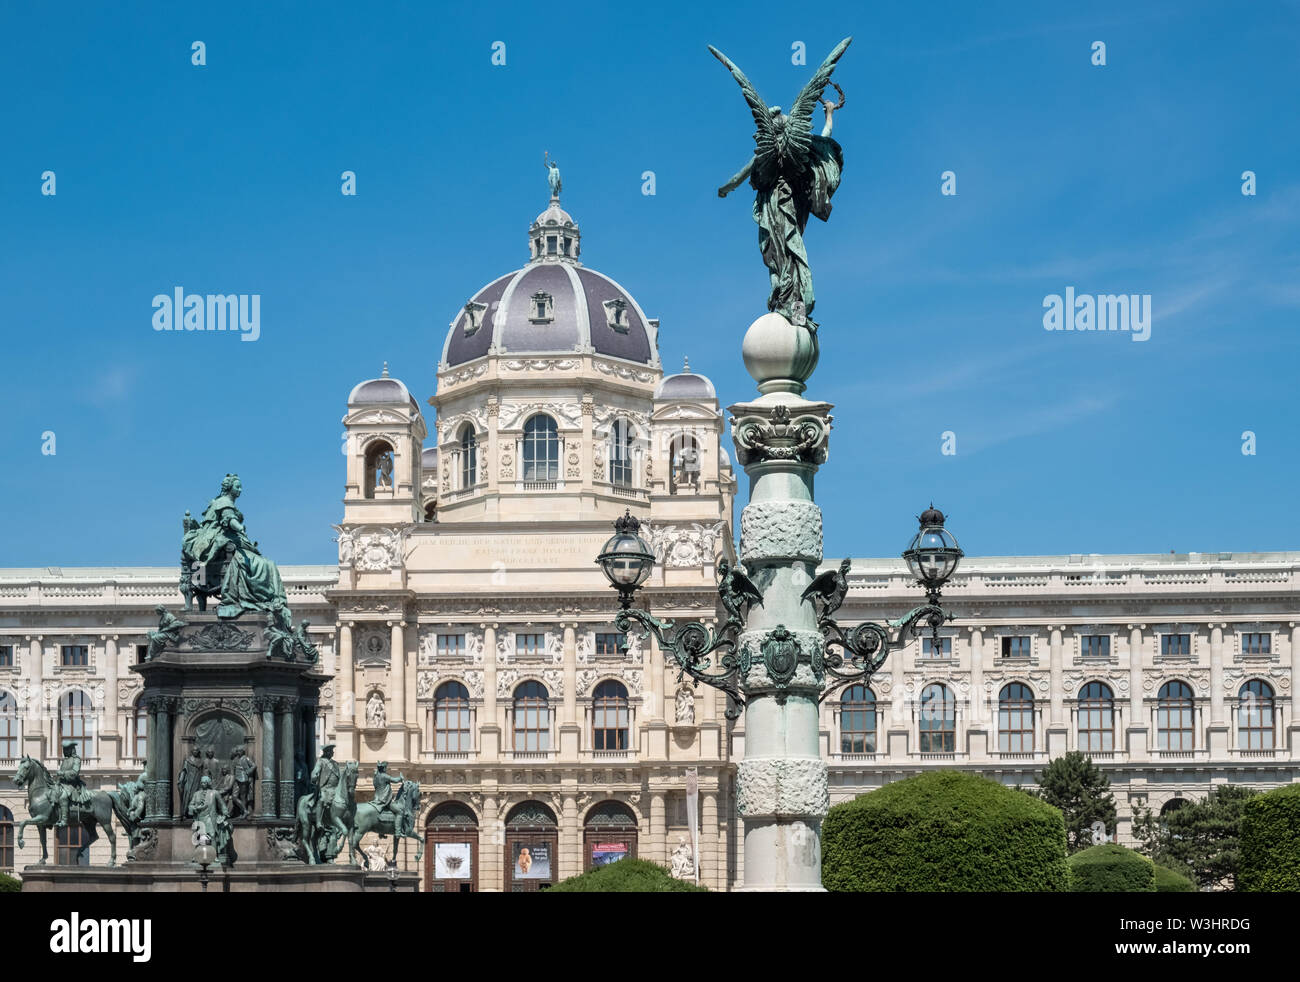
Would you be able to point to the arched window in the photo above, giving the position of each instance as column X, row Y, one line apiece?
column 938, row 719
column 620, row 453
column 1096, row 718
column 1175, row 726
column 541, row 449
column 1254, row 716
column 532, row 718
column 468, row 458
column 1016, row 719
column 684, row 469
column 6, row 838
column 609, row 719
column 379, row 468
column 10, row 735
column 858, row 721
column 77, row 722
column 73, row 849
column 140, row 730
column 451, row 730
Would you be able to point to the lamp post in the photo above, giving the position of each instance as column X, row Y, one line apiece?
column 204, row 856
column 782, row 673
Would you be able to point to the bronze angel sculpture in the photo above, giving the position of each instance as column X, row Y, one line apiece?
column 794, row 172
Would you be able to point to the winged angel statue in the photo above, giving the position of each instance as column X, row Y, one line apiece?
column 795, row 172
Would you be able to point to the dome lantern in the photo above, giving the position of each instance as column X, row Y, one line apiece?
column 554, row 235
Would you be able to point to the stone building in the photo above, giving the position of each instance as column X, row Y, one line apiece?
column 469, row 634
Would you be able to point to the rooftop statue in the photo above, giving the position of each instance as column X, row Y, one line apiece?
column 794, row 172
column 218, row 559
column 552, row 175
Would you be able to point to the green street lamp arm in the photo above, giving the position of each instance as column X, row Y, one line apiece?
column 692, row 646
column 865, row 647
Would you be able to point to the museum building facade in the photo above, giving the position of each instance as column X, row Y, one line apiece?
column 468, row 631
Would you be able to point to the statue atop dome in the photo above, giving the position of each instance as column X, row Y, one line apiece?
column 794, row 172
column 552, row 175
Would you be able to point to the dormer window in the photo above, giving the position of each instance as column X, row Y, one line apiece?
column 541, row 309
column 616, row 314
column 474, row 316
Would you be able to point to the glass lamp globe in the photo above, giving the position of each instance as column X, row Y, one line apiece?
column 204, row 854
column 933, row 554
column 626, row 559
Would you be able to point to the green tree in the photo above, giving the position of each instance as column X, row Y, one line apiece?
column 1076, row 786
column 1201, row 838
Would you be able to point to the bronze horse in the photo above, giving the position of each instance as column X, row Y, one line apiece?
column 97, row 811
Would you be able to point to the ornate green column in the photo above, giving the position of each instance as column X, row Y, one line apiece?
column 781, row 438
column 284, row 708
column 266, row 706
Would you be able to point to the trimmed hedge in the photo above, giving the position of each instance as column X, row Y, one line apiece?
column 9, row 885
column 1110, row 868
column 1270, row 842
column 626, row 876
column 1171, row 881
column 944, row 831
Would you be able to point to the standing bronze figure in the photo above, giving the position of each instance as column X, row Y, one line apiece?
column 794, row 172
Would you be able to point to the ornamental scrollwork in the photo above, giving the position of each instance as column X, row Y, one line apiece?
column 781, row 436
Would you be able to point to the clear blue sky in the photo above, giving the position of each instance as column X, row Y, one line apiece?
column 1117, row 179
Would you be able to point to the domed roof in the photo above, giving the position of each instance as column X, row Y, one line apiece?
column 382, row 391
column 553, row 305
column 686, row 385
column 429, row 458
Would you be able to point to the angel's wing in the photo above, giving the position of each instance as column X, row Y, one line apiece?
column 762, row 115
column 801, row 112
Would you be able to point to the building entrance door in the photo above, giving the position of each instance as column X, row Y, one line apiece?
column 531, row 861
column 451, row 850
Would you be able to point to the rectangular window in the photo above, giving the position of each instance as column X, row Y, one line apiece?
column 6, row 841
column 1251, row 644
column 1175, row 644
column 936, row 649
column 76, row 655
column 141, row 654
column 530, row 644
column 609, row 644
column 451, row 645
column 1094, row 646
column 1019, row 646
column 6, row 656
column 9, row 735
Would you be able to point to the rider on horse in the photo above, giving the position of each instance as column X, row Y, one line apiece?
column 70, row 789
column 388, row 796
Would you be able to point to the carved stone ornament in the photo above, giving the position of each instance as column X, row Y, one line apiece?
column 424, row 684
column 378, row 549
column 568, row 415
column 554, row 678
column 781, row 530
column 222, row 636
column 782, row 787
column 585, row 680
column 775, row 433
column 506, row 681
column 683, row 548
column 507, row 465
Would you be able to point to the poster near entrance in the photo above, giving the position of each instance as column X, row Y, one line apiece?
column 604, row 853
column 532, row 860
column 452, row 861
